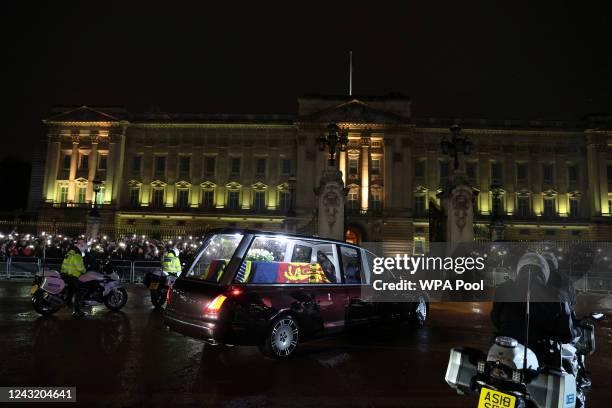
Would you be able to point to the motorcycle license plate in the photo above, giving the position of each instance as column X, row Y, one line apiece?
column 495, row 399
column 34, row 289
column 153, row 285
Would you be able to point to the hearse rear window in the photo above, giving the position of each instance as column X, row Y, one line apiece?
column 215, row 257
column 279, row 259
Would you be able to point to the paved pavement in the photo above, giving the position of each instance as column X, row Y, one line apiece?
column 130, row 359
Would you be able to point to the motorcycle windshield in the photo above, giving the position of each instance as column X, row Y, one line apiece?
column 214, row 257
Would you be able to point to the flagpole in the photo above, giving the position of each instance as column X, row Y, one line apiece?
column 350, row 73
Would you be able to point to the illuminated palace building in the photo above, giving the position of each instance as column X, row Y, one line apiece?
column 189, row 172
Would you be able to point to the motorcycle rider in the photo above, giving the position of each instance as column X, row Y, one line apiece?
column 560, row 283
column 171, row 263
column 550, row 315
column 72, row 268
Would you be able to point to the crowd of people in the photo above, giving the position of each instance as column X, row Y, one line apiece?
column 133, row 248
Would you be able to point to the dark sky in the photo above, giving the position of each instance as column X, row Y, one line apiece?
column 454, row 58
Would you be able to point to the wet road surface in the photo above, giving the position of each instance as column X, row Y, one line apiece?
column 130, row 359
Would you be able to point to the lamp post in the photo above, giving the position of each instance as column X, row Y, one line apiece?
column 96, row 189
column 335, row 140
column 497, row 223
column 292, row 181
column 456, row 145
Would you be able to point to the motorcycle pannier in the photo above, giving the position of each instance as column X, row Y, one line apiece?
column 462, row 369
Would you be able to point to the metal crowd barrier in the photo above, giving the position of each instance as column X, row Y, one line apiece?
column 26, row 267
column 141, row 268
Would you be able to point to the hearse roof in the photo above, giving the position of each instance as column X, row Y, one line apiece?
column 275, row 233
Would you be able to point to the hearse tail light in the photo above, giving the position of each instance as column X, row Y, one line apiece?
column 168, row 296
column 235, row 291
column 214, row 307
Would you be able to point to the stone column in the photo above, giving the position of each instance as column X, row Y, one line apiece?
column 51, row 167
column 388, row 173
column 593, row 176
column 365, row 172
column 74, row 157
column 342, row 165
column 406, row 177
column 93, row 163
column 111, row 165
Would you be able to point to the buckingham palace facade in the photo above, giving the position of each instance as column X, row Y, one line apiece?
column 184, row 172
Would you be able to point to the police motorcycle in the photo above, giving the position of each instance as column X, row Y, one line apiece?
column 50, row 291
column 159, row 282
column 510, row 375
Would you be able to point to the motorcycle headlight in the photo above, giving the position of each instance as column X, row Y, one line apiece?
column 481, row 367
column 516, row 376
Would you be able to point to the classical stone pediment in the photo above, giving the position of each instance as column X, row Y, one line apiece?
column 354, row 111
column 82, row 114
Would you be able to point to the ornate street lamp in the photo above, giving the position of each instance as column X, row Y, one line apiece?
column 457, row 144
column 96, row 188
column 336, row 140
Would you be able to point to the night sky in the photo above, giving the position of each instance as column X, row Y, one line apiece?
column 454, row 58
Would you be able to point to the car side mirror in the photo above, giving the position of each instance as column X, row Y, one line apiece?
column 597, row 316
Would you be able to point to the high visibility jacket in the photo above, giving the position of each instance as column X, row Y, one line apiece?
column 73, row 264
column 171, row 263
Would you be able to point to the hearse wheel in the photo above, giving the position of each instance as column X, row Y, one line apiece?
column 281, row 338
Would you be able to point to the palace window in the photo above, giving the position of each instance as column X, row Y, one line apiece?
column 549, row 206
column 63, row 197
column 419, row 246
column 285, row 200
column 182, row 199
column 547, row 173
column 521, row 172
column 233, row 200
column 375, row 167
column 134, row 197
column 353, row 200
column 496, row 172
column 419, row 168
column 184, row 164
column 375, row 203
column 137, row 163
column 100, row 195
column 470, row 170
column 67, row 159
column 443, row 170
column 286, row 167
column 82, row 191
column 235, row 166
column 160, row 165
column 353, row 166
column 208, row 199
column 102, row 162
column 209, row 166
column 572, row 173
column 158, row 198
column 260, row 166
column 522, row 203
column 419, row 206
column 574, row 210
column 84, row 162
column 259, row 201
